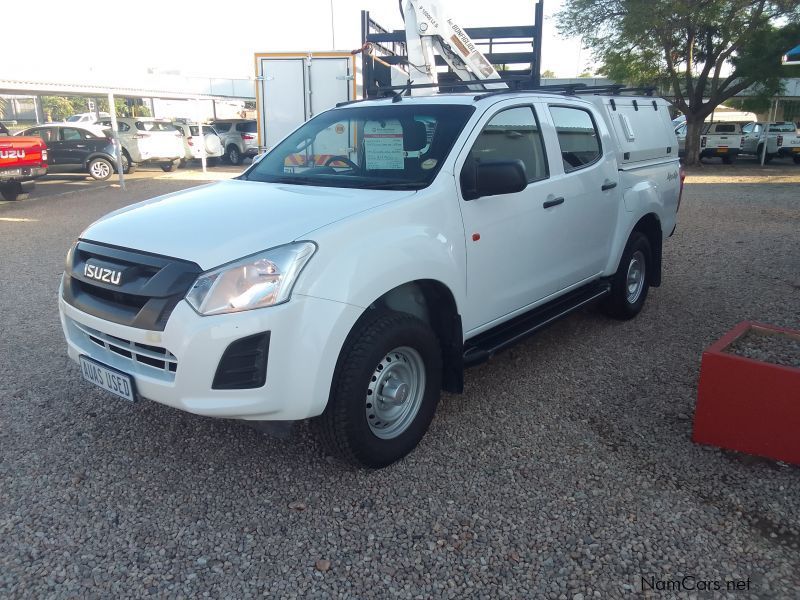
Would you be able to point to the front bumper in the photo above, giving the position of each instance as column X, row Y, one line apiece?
column 306, row 335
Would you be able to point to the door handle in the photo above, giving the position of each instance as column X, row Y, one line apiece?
column 553, row 202
column 608, row 185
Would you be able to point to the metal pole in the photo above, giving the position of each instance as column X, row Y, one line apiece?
column 115, row 131
column 200, row 132
column 766, row 136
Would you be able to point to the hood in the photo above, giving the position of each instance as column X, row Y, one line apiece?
column 214, row 224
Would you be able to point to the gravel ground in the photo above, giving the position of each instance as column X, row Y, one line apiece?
column 776, row 349
column 566, row 470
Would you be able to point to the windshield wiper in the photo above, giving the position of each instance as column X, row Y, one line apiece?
column 391, row 185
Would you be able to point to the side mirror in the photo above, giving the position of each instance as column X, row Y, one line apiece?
column 492, row 178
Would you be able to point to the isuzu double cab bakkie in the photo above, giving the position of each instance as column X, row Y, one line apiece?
column 352, row 273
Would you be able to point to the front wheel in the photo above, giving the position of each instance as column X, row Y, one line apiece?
column 385, row 390
column 629, row 285
column 100, row 169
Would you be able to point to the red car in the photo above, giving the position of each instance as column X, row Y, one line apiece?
column 22, row 159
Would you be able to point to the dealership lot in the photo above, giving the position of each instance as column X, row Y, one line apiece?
column 566, row 468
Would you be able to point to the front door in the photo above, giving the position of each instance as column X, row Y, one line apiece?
column 512, row 240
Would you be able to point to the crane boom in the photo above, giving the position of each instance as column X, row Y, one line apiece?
column 429, row 30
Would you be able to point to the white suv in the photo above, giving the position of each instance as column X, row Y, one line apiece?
column 356, row 270
column 148, row 140
column 239, row 138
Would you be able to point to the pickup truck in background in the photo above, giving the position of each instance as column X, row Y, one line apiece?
column 723, row 140
column 780, row 133
column 22, row 160
column 351, row 288
column 788, row 140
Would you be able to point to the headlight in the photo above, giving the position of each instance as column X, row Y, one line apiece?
column 263, row 279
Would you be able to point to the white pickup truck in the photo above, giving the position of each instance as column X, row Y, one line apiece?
column 353, row 287
column 723, row 140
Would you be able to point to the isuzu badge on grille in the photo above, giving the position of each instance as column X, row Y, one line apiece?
column 102, row 274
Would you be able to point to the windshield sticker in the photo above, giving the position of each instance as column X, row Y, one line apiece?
column 429, row 164
column 383, row 144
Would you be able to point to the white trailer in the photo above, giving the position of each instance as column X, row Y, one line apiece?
column 292, row 87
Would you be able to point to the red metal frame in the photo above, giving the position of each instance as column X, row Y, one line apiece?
column 748, row 405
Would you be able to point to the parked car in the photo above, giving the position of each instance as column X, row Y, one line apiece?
column 239, row 138
column 350, row 280
column 784, row 140
column 754, row 135
column 22, row 161
column 723, row 140
column 145, row 140
column 193, row 147
column 78, row 147
column 86, row 118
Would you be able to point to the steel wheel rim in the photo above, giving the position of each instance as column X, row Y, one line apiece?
column 634, row 282
column 234, row 155
column 100, row 169
column 395, row 392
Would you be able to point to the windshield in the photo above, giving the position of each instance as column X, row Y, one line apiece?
column 74, row 118
column 393, row 146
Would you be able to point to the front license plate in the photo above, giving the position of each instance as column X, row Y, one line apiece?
column 107, row 378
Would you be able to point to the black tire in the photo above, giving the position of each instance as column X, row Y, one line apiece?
column 182, row 163
column 128, row 166
column 767, row 158
column 619, row 304
column 344, row 426
column 13, row 191
column 169, row 166
column 728, row 160
column 100, row 169
column 233, row 156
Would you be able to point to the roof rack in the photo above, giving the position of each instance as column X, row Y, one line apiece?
column 574, row 89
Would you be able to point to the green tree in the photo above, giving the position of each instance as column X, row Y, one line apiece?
column 56, row 108
column 548, row 73
column 703, row 52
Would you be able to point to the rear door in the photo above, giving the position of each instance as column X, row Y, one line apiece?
column 585, row 168
column 75, row 145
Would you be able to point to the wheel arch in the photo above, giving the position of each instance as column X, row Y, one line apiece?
column 650, row 225
column 434, row 303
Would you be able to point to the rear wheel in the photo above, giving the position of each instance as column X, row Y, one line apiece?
column 13, row 191
column 182, row 163
column 767, row 158
column 100, row 169
column 233, row 156
column 385, row 390
column 169, row 166
column 629, row 285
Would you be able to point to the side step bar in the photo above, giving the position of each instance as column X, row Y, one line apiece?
column 483, row 346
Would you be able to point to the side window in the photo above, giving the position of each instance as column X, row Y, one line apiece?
column 577, row 136
column 69, row 134
column 747, row 128
column 222, row 127
column 512, row 134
